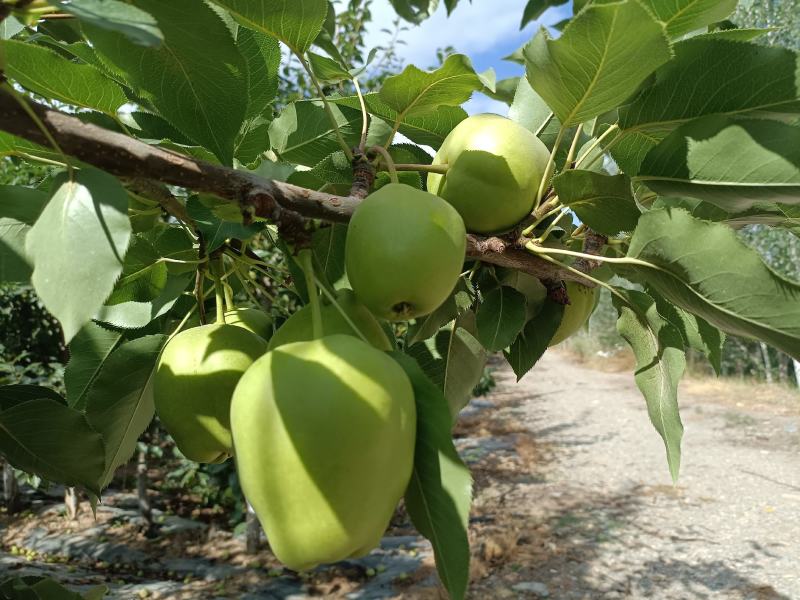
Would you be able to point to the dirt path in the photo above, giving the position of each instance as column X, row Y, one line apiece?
column 600, row 518
column 572, row 500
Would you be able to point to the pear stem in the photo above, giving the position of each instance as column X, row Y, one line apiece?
column 388, row 161
column 549, row 169
column 307, row 263
column 229, row 303
column 219, row 289
column 332, row 299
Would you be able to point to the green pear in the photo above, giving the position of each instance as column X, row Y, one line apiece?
column 252, row 319
column 582, row 302
column 324, row 434
column 299, row 327
column 495, row 168
column 404, row 252
column 194, row 381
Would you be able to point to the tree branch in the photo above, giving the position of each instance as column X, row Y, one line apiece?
column 280, row 202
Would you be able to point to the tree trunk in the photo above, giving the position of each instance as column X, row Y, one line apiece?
column 796, row 365
column 71, row 503
column 783, row 368
column 10, row 489
column 141, row 489
column 252, row 531
column 767, row 361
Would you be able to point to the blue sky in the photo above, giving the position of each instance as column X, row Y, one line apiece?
column 486, row 31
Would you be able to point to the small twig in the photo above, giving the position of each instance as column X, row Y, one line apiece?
column 364, row 117
column 200, row 276
column 549, row 168
column 572, row 148
column 387, row 160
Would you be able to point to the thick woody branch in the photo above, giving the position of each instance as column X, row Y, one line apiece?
column 504, row 253
column 282, row 203
column 128, row 157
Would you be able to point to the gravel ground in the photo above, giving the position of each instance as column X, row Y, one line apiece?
column 615, row 527
column 572, row 500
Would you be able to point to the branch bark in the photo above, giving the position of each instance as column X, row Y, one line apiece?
column 280, row 202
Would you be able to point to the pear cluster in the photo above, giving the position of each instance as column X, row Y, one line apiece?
column 320, row 418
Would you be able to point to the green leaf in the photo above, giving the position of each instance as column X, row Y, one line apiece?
column 34, row 587
column 463, row 359
column 253, row 141
column 416, row 11
column 143, row 274
column 684, row 16
column 742, row 34
column 49, row 589
column 532, row 342
column 660, row 362
column 11, row 395
column 77, row 246
column 604, row 202
column 303, row 133
column 414, row 92
column 439, row 494
column 708, row 271
column 9, row 27
column 603, row 56
column 710, row 75
column 120, row 402
column 15, row 264
column 19, row 209
column 262, row 55
column 326, row 69
column 535, row 9
column 733, row 164
column 530, row 110
column 334, row 173
column 205, row 99
column 328, row 244
column 454, row 359
column 505, row 89
column 11, row 145
column 153, row 127
column 697, row 333
column 88, row 352
column 44, row 437
column 427, row 326
column 500, row 318
column 216, row 231
column 22, row 204
column 135, row 315
column 139, row 26
column 429, row 129
column 294, row 22
column 46, row 73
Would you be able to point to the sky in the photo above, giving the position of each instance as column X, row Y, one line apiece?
column 486, row 31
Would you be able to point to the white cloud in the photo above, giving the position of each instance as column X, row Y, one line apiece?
column 472, row 28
